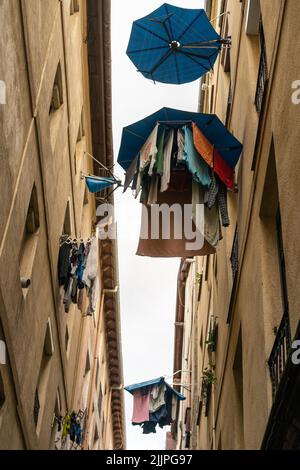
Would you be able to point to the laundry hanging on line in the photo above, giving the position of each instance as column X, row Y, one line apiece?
column 78, row 272
column 155, row 402
column 161, row 171
column 70, row 430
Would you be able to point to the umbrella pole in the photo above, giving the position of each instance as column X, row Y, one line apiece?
column 213, row 44
column 99, row 163
column 219, row 16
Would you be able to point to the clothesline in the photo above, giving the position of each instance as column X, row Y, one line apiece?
column 69, row 240
column 78, row 268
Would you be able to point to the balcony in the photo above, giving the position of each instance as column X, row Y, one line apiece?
column 280, row 353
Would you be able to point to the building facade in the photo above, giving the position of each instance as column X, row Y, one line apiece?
column 238, row 311
column 55, row 66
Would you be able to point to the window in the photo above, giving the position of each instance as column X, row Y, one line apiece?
column 97, row 373
column 100, row 401
column 187, row 423
column 36, row 407
column 212, row 95
column 85, row 197
column 67, row 227
column 29, row 241
column 277, row 316
column 74, row 6
column 216, row 268
column 225, row 55
column 80, row 144
column 103, row 425
column 238, row 381
column 262, row 72
column 221, row 14
column 56, row 416
column 67, row 338
column 281, row 259
column 96, row 434
column 252, row 17
column 234, row 261
column 2, row 392
column 229, row 106
column 2, row 92
column 2, row 352
column 43, row 379
column 87, row 365
column 199, row 414
column 49, row 343
column 282, row 344
column 206, row 268
column 200, row 282
column 81, row 131
column 234, row 258
column 57, row 92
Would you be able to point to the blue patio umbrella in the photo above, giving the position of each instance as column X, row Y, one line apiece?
column 174, row 45
column 148, row 383
column 135, row 135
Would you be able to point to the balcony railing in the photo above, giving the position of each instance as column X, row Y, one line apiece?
column 234, row 260
column 280, row 353
column 262, row 73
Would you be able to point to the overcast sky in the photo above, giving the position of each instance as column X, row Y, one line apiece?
column 147, row 285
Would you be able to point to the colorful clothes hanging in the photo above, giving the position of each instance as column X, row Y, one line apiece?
column 149, row 150
column 155, row 402
column 195, row 164
column 223, row 170
column 203, row 146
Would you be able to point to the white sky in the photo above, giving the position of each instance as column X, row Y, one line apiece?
column 147, row 285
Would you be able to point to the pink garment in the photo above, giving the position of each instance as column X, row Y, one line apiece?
column 140, row 407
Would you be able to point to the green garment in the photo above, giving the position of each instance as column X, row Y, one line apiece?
column 160, row 153
column 195, row 163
